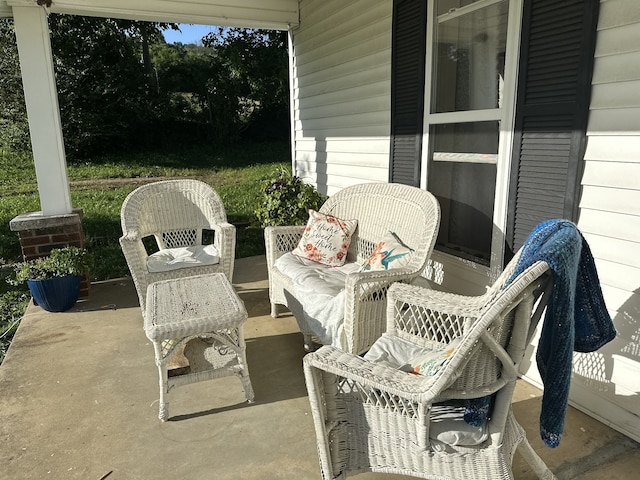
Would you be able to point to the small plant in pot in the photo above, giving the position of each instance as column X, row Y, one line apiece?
column 54, row 281
column 285, row 200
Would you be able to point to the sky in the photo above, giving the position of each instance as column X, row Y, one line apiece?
column 189, row 34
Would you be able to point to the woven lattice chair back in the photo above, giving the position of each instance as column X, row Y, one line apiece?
column 175, row 213
column 387, row 207
column 502, row 310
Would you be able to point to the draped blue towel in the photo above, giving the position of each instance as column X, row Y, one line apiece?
column 576, row 318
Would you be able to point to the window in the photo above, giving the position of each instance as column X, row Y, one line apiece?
column 468, row 56
column 462, row 175
column 498, row 169
column 465, row 111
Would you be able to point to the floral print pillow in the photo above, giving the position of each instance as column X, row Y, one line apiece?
column 389, row 253
column 326, row 239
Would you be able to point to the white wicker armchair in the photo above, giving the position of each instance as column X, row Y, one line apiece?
column 175, row 213
column 371, row 417
column 413, row 214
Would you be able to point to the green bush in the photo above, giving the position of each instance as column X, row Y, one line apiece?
column 13, row 301
column 12, row 305
column 285, row 200
column 60, row 262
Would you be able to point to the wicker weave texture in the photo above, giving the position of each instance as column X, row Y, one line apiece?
column 369, row 417
column 204, row 316
column 413, row 214
column 175, row 213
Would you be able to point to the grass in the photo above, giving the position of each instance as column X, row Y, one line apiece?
column 13, row 301
column 99, row 186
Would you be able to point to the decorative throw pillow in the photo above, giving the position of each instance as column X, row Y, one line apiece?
column 432, row 362
column 389, row 253
column 326, row 239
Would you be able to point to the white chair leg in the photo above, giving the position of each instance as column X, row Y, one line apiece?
column 163, row 408
column 274, row 310
column 244, row 369
column 535, row 462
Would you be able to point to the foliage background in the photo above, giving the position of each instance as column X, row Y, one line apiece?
column 14, row 128
column 121, row 87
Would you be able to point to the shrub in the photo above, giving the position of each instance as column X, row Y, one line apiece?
column 60, row 262
column 286, row 200
column 13, row 302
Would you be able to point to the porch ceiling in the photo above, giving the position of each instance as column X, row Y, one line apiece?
column 273, row 14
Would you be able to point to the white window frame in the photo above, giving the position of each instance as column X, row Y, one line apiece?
column 505, row 114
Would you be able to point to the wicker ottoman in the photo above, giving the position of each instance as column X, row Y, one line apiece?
column 204, row 315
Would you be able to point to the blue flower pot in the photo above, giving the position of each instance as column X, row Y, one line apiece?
column 55, row 294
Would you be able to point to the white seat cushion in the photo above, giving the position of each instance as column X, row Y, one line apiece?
column 319, row 293
column 182, row 257
column 394, row 352
column 313, row 276
column 447, row 426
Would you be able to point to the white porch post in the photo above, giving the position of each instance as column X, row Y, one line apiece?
column 41, row 96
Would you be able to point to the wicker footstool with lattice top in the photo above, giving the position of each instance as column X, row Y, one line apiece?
column 204, row 315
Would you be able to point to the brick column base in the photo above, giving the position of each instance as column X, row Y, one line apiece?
column 39, row 234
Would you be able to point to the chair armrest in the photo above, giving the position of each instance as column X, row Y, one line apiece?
column 133, row 248
column 224, row 226
column 365, row 306
column 135, row 254
column 224, row 238
column 363, row 286
column 419, row 295
column 415, row 388
column 131, row 235
column 281, row 240
column 225, row 241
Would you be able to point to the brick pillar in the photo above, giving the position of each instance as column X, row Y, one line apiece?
column 39, row 234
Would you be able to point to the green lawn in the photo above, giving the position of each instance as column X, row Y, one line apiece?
column 99, row 186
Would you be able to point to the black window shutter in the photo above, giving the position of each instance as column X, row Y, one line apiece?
column 408, row 43
column 556, row 65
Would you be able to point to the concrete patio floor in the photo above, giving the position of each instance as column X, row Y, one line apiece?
column 79, row 400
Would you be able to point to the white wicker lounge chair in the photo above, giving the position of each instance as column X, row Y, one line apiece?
column 372, row 417
column 175, row 213
column 411, row 213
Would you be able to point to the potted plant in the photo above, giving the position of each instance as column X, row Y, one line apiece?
column 54, row 281
column 285, row 200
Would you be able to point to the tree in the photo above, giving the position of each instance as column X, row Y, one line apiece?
column 183, row 72
column 120, row 86
column 107, row 96
column 14, row 129
column 250, row 82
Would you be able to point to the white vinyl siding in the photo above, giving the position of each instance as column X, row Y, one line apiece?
column 607, row 383
column 341, row 87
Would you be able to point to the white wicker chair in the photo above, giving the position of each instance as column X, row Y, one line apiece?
column 413, row 214
column 371, row 417
column 175, row 213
